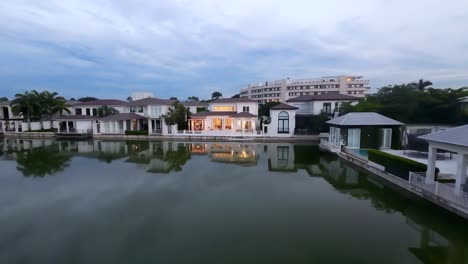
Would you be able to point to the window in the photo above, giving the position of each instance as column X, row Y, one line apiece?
column 155, row 111
column 327, row 108
column 94, row 112
column 245, row 109
column 354, row 137
column 78, row 111
column 386, row 138
column 88, row 111
column 283, row 122
column 283, row 152
column 224, row 108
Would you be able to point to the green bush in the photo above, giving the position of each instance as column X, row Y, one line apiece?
column 396, row 165
column 136, row 132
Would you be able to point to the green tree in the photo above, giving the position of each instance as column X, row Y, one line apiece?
column 264, row 109
column 27, row 105
column 72, row 99
column 3, row 99
column 40, row 162
column 129, row 99
column 87, row 99
column 421, row 85
column 52, row 104
column 106, row 111
column 173, row 98
column 193, row 99
column 236, row 96
column 216, row 95
column 177, row 114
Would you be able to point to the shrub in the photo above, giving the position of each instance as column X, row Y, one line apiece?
column 136, row 132
column 397, row 165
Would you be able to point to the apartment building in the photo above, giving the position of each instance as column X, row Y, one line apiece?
column 283, row 90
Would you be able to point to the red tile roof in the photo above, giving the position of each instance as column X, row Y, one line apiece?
column 243, row 114
column 233, row 100
column 122, row 116
column 216, row 113
column 283, row 106
column 151, row 101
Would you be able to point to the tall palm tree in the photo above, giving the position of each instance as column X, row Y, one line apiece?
column 27, row 105
column 421, row 84
column 52, row 104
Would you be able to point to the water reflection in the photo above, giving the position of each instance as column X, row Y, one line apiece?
column 371, row 212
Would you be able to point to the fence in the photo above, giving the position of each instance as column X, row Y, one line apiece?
column 441, row 190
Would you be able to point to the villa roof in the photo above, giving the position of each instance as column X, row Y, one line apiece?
column 77, row 117
column 364, row 119
column 100, row 102
column 201, row 104
column 151, row 101
column 122, row 116
column 324, row 97
column 7, row 103
column 283, row 106
column 243, row 114
column 72, row 103
column 454, row 136
column 463, row 99
column 215, row 113
column 233, row 100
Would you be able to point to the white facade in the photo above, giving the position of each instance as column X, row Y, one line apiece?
column 282, row 124
column 317, row 107
column 283, row 90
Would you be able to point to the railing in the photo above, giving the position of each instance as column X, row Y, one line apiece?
column 447, row 193
column 328, row 145
column 76, row 131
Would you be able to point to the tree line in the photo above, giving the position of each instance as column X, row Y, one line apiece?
column 415, row 103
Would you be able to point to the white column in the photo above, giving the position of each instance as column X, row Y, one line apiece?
column 125, row 125
column 431, row 162
column 66, row 125
column 150, row 126
column 460, row 176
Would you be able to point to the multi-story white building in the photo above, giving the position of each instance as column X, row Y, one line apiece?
column 283, row 90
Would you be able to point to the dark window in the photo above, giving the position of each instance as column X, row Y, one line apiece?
column 327, row 108
column 283, row 122
column 245, row 109
column 94, row 112
column 78, row 111
column 88, row 111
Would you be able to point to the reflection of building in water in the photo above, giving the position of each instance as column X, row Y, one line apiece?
column 281, row 157
column 241, row 154
column 235, row 153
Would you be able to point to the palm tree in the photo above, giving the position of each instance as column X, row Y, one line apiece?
column 52, row 104
column 421, row 85
column 27, row 105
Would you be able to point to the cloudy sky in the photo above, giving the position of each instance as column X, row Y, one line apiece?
column 194, row 47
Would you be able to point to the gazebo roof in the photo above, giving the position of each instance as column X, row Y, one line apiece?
column 364, row 119
column 454, row 136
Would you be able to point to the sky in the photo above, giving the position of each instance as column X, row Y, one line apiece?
column 109, row 49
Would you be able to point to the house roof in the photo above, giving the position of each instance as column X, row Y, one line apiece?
column 455, row 136
column 463, row 99
column 77, row 117
column 324, row 97
column 283, row 106
column 216, row 113
column 122, row 116
column 5, row 103
column 243, row 114
column 151, row 101
column 100, row 102
column 364, row 119
column 233, row 100
column 200, row 104
column 72, row 103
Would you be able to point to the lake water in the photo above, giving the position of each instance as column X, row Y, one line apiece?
column 176, row 202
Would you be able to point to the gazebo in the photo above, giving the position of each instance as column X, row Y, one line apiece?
column 454, row 140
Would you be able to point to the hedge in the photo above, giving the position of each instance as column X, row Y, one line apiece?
column 396, row 165
column 136, row 132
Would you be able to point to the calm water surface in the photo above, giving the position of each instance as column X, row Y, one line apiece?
column 176, row 202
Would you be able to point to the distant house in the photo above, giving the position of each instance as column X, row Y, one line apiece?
column 153, row 110
column 365, row 130
column 8, row 121
column 90, row 108
column 226, row 117
column 327, row 103
column 282, row 121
